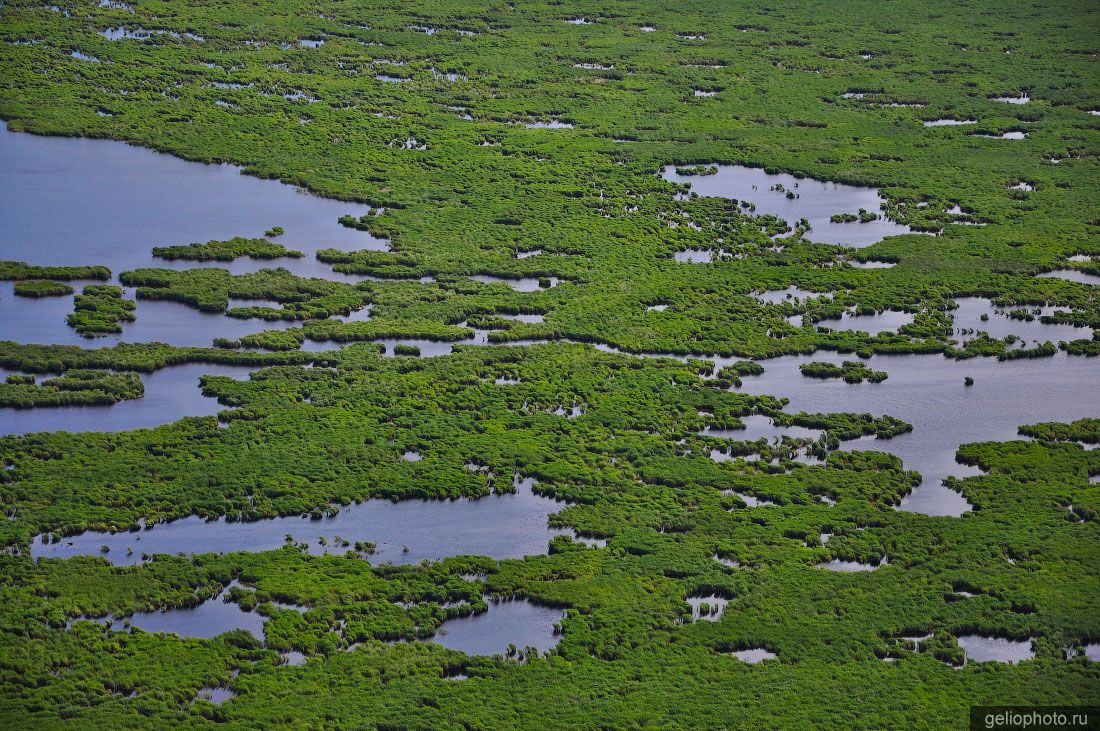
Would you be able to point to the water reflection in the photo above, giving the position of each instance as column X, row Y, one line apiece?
column 995, row 649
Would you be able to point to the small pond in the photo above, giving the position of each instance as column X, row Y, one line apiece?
column 707, row 607
column 815, row 200
column 753, row 656
column 979, row 648
column 850, row 566
column 518, row 622
column 208, row 619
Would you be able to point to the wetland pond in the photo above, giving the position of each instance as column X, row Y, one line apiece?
column 405, row 532
column 120, row 201
column 791, row 199
column 928, row 392
column 518, row 622
column 170, row 393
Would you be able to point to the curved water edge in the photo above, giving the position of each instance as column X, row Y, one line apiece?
column 979, row 648
column 121, row 200
column 929, row 392
column 404, row 532
column 517, row 622
column 41, row 320
column 171, row 393
column 507, row 624
column 792, row 198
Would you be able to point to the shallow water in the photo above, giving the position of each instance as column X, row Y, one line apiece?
column 928, row 392
column 498, row 526
column 817, row 200
column 81, row 201
column 790, row 294
column 716, row 606
column 968, row 317
column 42, row 320
column 880, row 322
column 758, row 426
column 518, row 622
column 216, row 695
column 528, row 319
column 694, row 256
column 1071, row 275
column 519, row 284
column 995, row 649
column 1022, row 99
column 847, row 566
column 552, row 124
column 754, row 656
column 170, row 393
column 209, row 619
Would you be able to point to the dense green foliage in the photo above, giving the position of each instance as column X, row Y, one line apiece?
column 21, row 270
column 431, row 130
column 229, row 250
column 210, row 289
column 75, row 388
column 99, row 309
column 41, row 288
column 852, row 371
